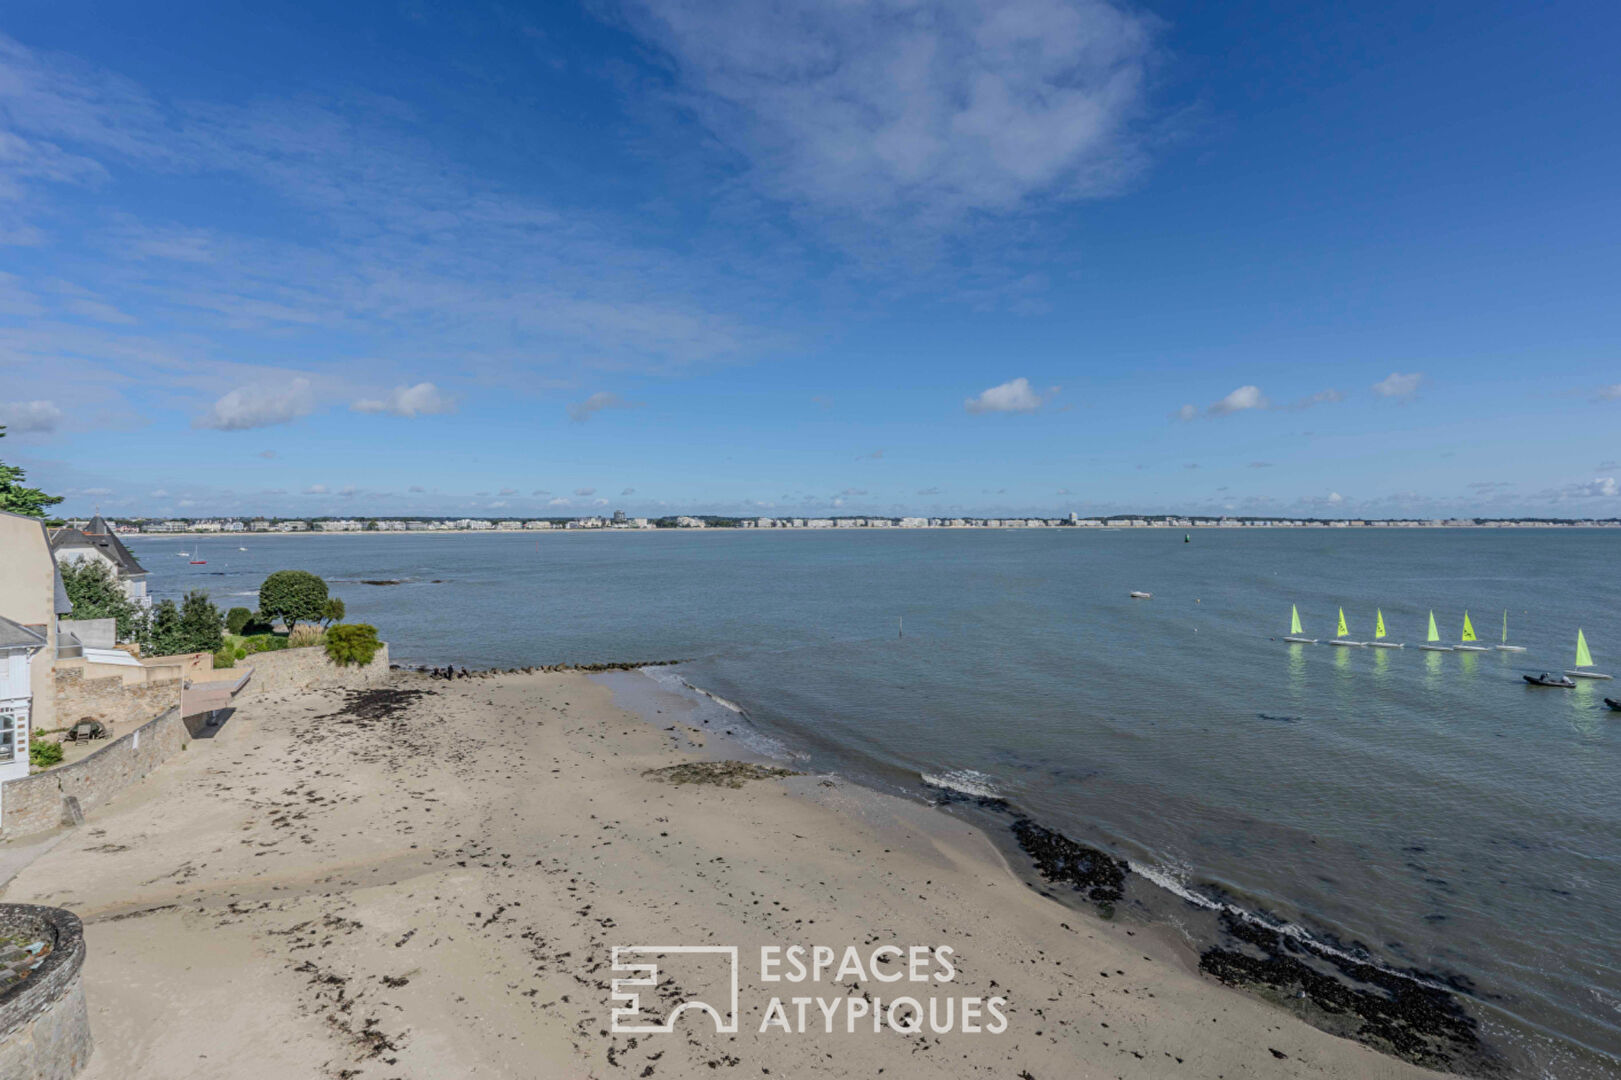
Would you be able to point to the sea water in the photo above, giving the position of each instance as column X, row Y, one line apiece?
column 1428, row 810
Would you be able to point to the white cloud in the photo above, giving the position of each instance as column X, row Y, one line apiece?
column 1599, row 487
column 1397, row 385
column 628, row 491
column 507, row 491
column 583, row 492
column 417, row 489
column 1187, row 412
column 22, row 417
column 96, row 491
column 1014, row 396
column 423, row 399
column 582, row 411
column 1322, row 397
column 559, row 501
column 1240, row 400
column 1610, row 393
column 316, row 489
column 930, row 110
column 1335, row 498
column 258, row 406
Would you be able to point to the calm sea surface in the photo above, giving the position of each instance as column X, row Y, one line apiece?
column 1428, row 806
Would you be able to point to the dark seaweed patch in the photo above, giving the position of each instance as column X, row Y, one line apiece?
column 1097, row 875
column 1404, row 1013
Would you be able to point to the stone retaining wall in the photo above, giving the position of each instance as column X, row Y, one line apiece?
column 304, row 669
column 39, row 803
column 113, row 693
column 44, row 1026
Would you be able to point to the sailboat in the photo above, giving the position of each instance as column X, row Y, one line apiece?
column 1505, row 646
column 1379, row 641
column 199, row 551
column 1469, row 639
column 1296, row 634
column 1342, row 634
column 1433, row 641
column 1584, row 659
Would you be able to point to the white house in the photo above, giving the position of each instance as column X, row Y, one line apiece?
column 31, row 601
column 97, row 542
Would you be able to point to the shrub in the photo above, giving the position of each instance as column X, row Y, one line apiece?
column 305, row 636
column 237, row 619
column 240, row 653
column 332, row 612
column 266, row 643
column 224, row 658
column 293, row 596
column 352, row 643
column 42, row 753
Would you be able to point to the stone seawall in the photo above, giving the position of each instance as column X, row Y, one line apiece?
column 39, row 803
column 304, row 669
column 44, row 1026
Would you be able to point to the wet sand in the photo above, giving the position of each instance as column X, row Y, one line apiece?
column 427, row 879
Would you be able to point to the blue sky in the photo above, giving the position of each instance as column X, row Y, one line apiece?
column 777, row 257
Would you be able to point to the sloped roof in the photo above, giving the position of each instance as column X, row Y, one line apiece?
column 99, row 536
column 15, row 635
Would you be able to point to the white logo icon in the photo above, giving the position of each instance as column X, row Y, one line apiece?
column 646, row 976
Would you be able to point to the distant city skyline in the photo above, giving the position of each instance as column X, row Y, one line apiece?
column 975, row 259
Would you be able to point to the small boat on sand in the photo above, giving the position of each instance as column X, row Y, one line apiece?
column 1505, row 646
column 1142, row 595
column 1296, row 634
column 1584, row 660
column 1546, row 679
column 1379, row 641
column 1467, row 642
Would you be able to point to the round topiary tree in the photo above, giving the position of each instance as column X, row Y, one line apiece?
column 237, row 619
column 293, row 596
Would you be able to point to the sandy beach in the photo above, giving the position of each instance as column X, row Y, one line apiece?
column 428, row 879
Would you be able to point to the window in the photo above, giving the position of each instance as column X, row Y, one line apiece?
column 10, row 723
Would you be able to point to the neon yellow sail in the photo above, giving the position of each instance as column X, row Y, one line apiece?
column 1583, row 657
column 1342, row 632
column 1434, row 636
column 1379, row 624
column 1468, row 628
column 1294, row 621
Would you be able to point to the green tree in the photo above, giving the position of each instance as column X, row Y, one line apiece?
column 193, row 626
column 352, row 643
column 237, row 619
column 160, row 632
column 293, row 596
column 331, row 612
column 19, row 499
column 96, row 593
column 200, row 629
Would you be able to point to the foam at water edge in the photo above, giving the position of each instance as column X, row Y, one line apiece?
column 968, row 782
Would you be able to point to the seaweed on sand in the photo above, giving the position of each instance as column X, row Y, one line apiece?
column 730, row 774
column 1097, row 875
